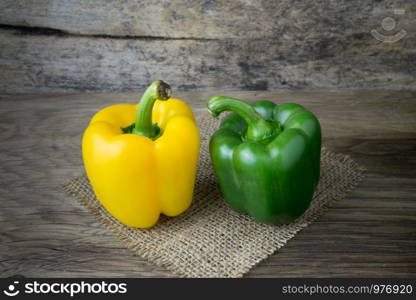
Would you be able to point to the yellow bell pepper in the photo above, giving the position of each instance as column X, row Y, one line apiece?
column 139, row 169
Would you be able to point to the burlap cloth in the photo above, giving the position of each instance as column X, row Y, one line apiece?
column 210, row 239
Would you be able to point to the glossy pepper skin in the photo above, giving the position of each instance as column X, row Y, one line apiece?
column 140, row 169
column 266, row 157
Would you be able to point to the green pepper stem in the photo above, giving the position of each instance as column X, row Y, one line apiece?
column 158, row 90
column 219, row 104
column 258, row 129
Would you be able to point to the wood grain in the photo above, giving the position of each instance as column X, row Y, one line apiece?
column 206, row 19
column 44, row 232
column 119, row 46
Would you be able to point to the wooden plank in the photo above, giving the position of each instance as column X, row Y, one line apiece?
column 107, row 46
column 53, row 63
column 286, row 19
column 44, row 232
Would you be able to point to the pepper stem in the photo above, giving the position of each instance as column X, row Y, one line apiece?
column 158, row 90
column 258, row 129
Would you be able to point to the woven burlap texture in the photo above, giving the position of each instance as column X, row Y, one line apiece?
column 210, row 239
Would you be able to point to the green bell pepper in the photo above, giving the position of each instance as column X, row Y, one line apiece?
column 266, row 157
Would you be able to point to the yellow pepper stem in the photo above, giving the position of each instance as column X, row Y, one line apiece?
column 158, row 90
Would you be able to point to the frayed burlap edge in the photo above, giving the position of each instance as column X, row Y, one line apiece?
column 273, row 237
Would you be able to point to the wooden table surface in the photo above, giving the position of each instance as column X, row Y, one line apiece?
column 371, row 233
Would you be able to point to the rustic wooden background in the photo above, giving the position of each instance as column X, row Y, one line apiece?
column 51, row 50
column 122, row 45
